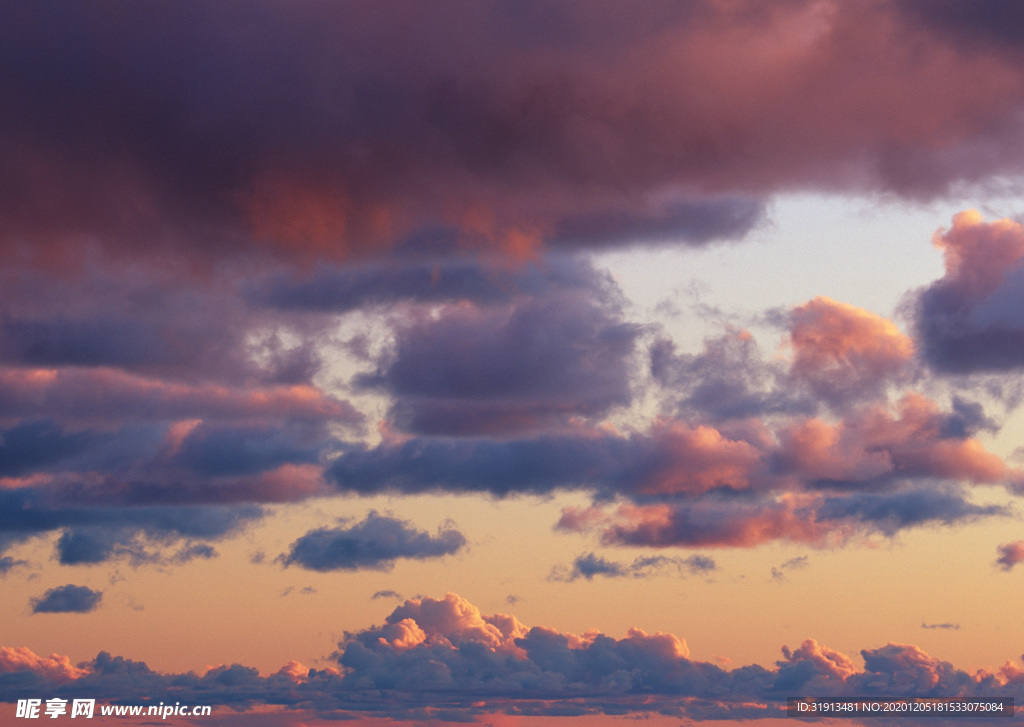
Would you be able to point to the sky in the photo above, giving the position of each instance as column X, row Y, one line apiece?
column 524, row 364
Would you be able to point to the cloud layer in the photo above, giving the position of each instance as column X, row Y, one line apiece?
column 445, row 653
column 218, row 193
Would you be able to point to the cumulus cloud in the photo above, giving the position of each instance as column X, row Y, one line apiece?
column 844, row 353
column 373, row 544
column 970, row 319
column 67, row 599
column 54, row 668
column 446, row 652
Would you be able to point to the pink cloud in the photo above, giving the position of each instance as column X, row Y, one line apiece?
column 451, row 620
column 871, row 443
column 717, row 524
column 694, row 459
column 842, row 352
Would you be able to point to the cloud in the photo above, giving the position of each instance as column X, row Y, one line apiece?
column 7, row 564
column 943, row 626
column 67, row 599
column 815, row 520
column 728, row 380
column 618, row 128
column 671, row 457
column 92, row 532
column 844, row 353
column 874, row 449
column 813, row 668
column 83, row 395
column 972, row 25
column 969, row 320
column 839, row 355
column 445, row 653
column 373, row 544
column 523, row 367
column 344, row 288
column 797, row 563
column 1010, row 554
column 54, row 668
column 589, row 565
column 872, row 445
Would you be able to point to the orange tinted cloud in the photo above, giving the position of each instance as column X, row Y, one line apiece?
column 55, row 667
column 720, row 524
column 696, row 459
column 843, row 352
column 871, row 443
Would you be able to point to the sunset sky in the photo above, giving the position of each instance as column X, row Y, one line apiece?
column 525, row 364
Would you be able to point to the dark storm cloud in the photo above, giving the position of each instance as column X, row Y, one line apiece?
column 218, row 128
column 373, row 544
column 67, row 599
column 445, row 654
